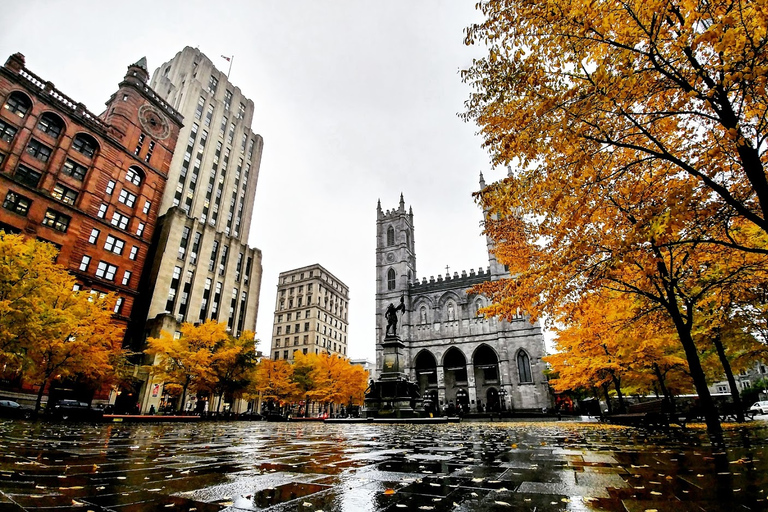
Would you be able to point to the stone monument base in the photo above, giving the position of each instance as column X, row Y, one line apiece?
column 393, row 395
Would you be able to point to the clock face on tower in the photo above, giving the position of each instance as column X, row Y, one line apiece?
column 154, row 122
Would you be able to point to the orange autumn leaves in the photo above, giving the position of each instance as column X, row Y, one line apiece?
column 321, row 378
column 638, row 131
column 48, row 332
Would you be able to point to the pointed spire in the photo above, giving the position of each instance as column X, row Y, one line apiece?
column 402, row 202
column 482, row 180
column 141, row 63
column 378, row 205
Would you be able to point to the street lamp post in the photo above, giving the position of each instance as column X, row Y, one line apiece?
column 503, row 394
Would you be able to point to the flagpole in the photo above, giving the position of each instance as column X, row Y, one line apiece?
column 230, row 66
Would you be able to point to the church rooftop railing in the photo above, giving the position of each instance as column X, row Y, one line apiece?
column 444, row 282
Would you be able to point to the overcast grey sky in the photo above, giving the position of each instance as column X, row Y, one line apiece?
column 356, row 101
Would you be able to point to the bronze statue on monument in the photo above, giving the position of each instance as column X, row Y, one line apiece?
column 391, row 315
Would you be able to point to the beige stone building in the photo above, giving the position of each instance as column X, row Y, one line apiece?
column 455, row 354
column 310, row 313
column 202, row 265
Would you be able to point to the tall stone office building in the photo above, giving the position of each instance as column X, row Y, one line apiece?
column 310, row 313
column 455, row 354
column 202, row 265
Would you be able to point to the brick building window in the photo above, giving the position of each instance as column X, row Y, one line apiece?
column 106, row 271
column 39, row 150
column 127, row 198
column 51, row 125
column 56, row 220
column 7, row 132
column 85, row 144
column 74, row 170
column 16, row 203
column 113, row 244
column 18, row 104
column 133, row 176
column 64, row 194
column 119, row 220
column 84, row 263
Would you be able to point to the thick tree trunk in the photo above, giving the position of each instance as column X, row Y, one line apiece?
column 663, row 386
column 619, row 394
column 711, row 417
column 729, row 375
column 607, row 398
column 40, row 393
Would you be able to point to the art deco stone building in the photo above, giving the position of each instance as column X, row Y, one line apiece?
column 310, row 313
column 91, row 185
column 454, row 353
column 202, row 267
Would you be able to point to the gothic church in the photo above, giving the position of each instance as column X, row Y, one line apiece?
column 455, row 354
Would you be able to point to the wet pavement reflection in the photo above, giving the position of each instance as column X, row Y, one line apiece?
column 242, row 466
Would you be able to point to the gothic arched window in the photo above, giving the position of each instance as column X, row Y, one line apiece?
column 524, row 367
column 391, row 236
column 391, row 279
column 407, row 239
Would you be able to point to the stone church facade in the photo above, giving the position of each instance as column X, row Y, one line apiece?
column 455, row 354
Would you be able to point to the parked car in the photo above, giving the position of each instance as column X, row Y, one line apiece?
column 75, row 410
column 11, row 409
column 760, row 407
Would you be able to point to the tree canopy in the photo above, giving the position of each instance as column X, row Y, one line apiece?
column 48, row 332
column 638, row 134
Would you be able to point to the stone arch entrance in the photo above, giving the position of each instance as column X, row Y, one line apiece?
column 455, row 372
column 426, row 371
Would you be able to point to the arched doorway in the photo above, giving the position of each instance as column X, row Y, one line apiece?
column 455, row 370
column 426, row 371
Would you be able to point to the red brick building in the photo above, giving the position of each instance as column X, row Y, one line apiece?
column 91, row 185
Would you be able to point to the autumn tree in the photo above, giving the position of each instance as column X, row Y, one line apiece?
column 48, row 331
column 637, row 128
column 233, row 362
column 303, row 368
column 272, row 381
column 337, row 381
column 187, row 360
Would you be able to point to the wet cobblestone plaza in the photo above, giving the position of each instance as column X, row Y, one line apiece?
column 243, row 466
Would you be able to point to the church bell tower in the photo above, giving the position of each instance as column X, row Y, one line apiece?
column 395, row 266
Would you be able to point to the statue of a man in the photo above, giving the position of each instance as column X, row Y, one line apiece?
column 391, row 316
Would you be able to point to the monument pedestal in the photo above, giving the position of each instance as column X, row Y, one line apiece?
column 393, row 395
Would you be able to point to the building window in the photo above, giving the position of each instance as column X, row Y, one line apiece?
column 84, row 263
column 133, row 176
column 213, row 82
column 134, row 252
column 18, row 104
column 110, row 187
column 16, row 203
column 127, row 198
column 391, row 236
column 524, row 367
column 140, row 229
column 208, row 116
column 75, row 171
column 200, row 106
column 119, row 220
column 126, row 277
column 227, row 99
column 64, row 194
column 241, row 111
column 102, row 211
column 391, row 279
column 7, row 132
column 56, row 220
column 149, row 151
column 85, row 144
column 94, row 236
column 50, row 124
column 39, row 150
column 106, row 271
column 119, row 305
column 114, row 245
column 147, row 206
column 139, row 144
